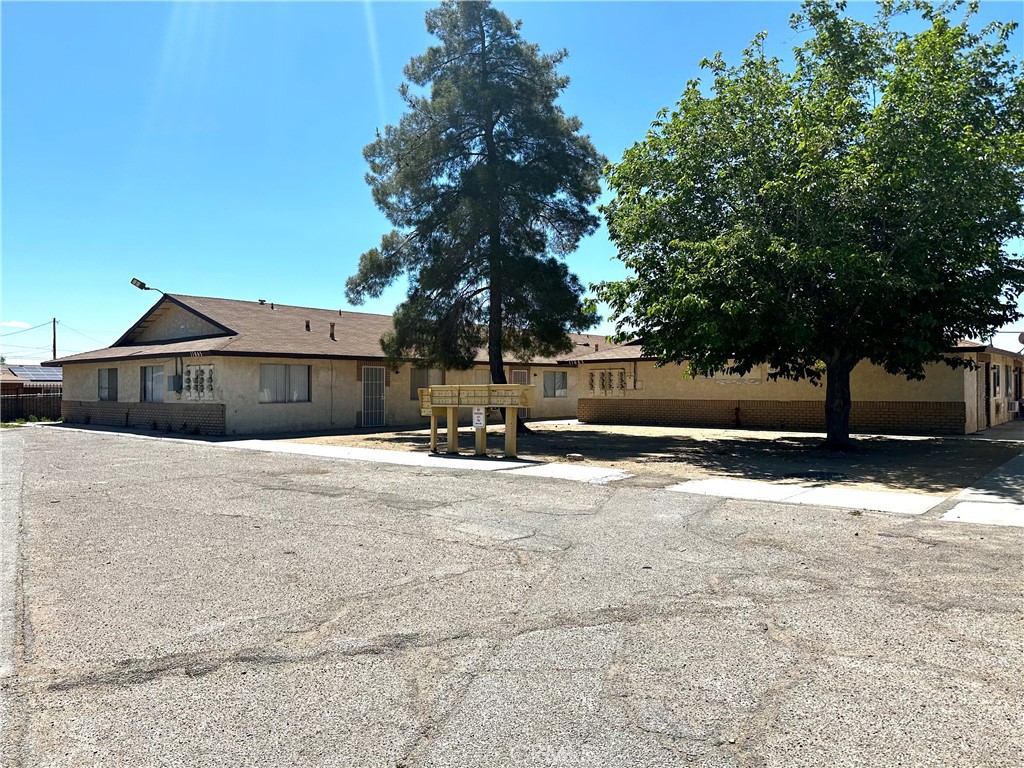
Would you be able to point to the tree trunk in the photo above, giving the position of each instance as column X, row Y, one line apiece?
column 495, row 353
column 496, row 266
column 837, row 402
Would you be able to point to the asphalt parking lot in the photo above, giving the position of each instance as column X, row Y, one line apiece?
column 176, row 603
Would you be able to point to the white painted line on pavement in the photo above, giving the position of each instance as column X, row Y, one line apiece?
column 986, row 513
column 585, row 474
column 738, row 489
column 875, row 501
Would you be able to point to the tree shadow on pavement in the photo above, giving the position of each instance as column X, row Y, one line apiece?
column 926, row 465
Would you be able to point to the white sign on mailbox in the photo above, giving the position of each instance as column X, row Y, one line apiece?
column 479, row 416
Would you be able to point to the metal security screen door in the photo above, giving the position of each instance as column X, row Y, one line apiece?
column 373, row 396
column 520, row 376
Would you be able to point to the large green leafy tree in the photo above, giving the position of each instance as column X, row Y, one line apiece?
column 488, row 184
column 857, row 208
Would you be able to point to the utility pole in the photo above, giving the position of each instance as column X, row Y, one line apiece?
column 54, row 339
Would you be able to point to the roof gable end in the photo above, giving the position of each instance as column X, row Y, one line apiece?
column 171, row 319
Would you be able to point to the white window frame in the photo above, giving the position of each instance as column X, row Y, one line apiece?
column 554, row 389
column 103, row 393
column 288, row 387
column 152, row 384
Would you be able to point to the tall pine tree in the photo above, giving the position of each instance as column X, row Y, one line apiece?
column 489, row 185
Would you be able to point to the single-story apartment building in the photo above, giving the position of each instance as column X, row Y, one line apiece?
column 227, row 367
column 622, row 386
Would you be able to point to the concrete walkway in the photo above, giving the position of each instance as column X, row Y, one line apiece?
column 996, row 499
column 817, row 495
column 1011, row 431
column 580, row 472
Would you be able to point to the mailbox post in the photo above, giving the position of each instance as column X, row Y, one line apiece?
column 480, row 425
column 448, row 399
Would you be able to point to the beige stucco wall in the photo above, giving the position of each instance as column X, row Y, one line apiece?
column 998, row 404
column 970, row 398
column 399, row 408
column 402, row 409
column 81, row 380
column 336, row 394
column 868, row 382
column 334, row 397
column 177, row 323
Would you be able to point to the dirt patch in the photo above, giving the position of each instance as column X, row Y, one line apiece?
column 669, row 454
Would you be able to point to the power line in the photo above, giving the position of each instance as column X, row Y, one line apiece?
column 23, row 330
column 44, row 348
column 65, row 325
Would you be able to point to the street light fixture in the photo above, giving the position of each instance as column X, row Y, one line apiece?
column 143, row 287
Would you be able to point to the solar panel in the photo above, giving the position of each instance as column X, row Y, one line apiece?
column 37, row 373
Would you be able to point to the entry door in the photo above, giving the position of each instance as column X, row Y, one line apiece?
column 373, row 396
column 519, row 376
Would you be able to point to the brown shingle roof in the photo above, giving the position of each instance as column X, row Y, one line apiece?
column 270, row 330
column 631, row 350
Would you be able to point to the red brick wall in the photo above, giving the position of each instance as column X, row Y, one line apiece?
column 934, row 418
column 189, row 418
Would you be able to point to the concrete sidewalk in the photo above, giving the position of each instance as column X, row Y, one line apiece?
column 579, row 472
column 996, row 499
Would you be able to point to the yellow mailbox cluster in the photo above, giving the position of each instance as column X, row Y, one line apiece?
column 447, row 399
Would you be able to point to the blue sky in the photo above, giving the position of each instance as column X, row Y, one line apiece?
column 216, row 148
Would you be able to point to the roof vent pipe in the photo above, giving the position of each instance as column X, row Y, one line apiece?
column 307, row 325
column 332, row 332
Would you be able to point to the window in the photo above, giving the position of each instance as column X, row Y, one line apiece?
column 995, row 381
column 481, row 376
column 107, row 388
column 424, row 377
column 284, row 383
column 556, row 384
column 152, row 381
